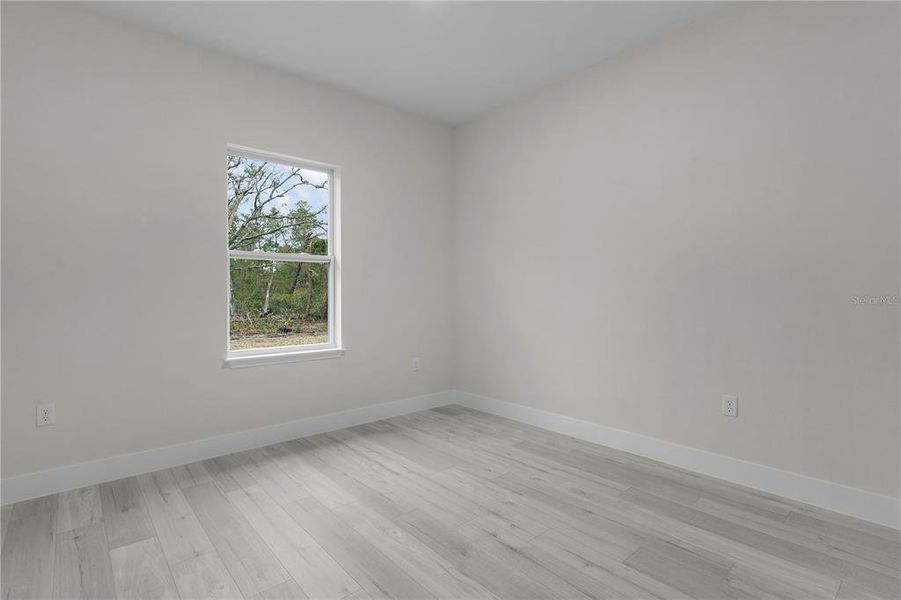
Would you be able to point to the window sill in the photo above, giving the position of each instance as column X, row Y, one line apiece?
column 274, row 358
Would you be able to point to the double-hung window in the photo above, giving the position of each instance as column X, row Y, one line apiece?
column 282, row 247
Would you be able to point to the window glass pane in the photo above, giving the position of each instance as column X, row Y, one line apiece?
column 276, row 303
column 277, row 208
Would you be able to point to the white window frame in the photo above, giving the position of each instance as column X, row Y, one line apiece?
column 281, row 354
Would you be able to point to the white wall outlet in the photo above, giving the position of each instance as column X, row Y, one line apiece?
column 730, row 405
column 45, row 415
column 414, row 364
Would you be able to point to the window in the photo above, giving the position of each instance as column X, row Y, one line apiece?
column 282, row 258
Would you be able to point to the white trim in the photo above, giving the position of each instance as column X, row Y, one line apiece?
column 284, row 159
column 281, row 349
column 272, row 356
column 334, row 268
column 885, row 510
column 279, row 256
column 34, row 485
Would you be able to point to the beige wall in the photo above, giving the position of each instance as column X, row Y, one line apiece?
column 688, row 220
column 691, row 220
column 113, row 240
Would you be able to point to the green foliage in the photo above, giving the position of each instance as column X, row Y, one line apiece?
column 297, row 288
column 298, row 293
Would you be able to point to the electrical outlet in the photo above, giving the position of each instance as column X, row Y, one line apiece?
column 45, row 415
column 730, row 405
column 414, row 364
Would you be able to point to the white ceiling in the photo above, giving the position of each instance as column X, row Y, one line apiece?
column 446, row 60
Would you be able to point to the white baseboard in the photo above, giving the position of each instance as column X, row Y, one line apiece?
column 885, row 510
column 51, row 481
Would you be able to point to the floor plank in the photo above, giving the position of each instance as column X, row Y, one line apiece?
column 191, row 474
column 78, row 508
column 28, row 551
column 248, row 559
column 479, row 566
column 430, row 569
column 375, row 572
column 685, row 571
column 285, row 591
column 867, row 578
column 124, row 512
column 205, row 576
column 177, row 527
column 264, row 466
column 5, row 513
column 82, row 568
column 320, row 576
column 604, row 564
column 140, row 571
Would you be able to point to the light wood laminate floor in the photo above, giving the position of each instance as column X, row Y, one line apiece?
column 446, row 503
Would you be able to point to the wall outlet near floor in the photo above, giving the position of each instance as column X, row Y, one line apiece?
column 730, row 405
column 414, row 364
column 45, row 415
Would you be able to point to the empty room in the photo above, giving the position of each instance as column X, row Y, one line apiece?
column 434, row 300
